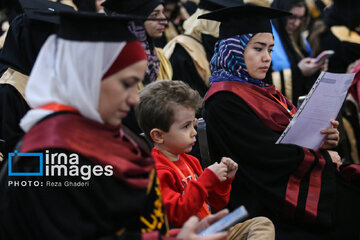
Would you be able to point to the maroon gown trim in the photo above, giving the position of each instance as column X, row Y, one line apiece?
column 313, row 197
column 276, row 118
column 273, row 115
column 99, row 143
column 293, row 186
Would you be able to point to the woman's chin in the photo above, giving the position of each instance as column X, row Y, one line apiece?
column 113, row 122
column 259, row 76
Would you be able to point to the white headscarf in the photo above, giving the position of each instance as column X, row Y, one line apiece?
column 68, row 72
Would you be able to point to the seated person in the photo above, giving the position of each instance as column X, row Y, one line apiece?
column 338, row 31
column 166, row 113
column 27, row 33
column 146, row 31
column 190, row 53
column 301, row 190
column 293, row 70
column 99, row 184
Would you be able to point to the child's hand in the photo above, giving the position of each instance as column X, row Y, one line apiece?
column 231, row 165
column 220, row 170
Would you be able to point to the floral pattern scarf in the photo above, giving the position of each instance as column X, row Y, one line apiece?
column 152, row 70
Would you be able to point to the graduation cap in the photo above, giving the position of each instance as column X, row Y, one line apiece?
column 244, row 19
column 86, row 26
column 135, row 7
column 212, row 5
column 43, row 10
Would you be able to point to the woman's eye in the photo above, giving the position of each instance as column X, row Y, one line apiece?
column 126, row 85
column 258, row 49
column 187, row 125
column 270, row 50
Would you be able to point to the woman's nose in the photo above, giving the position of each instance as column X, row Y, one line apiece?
column 297, row 23
column 267, row 56
column 133, row 98
column 163, row 19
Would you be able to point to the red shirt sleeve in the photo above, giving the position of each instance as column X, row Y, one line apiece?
column 220, row 196
column 181, row 203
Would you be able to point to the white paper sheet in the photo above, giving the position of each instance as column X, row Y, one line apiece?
column 321, row 105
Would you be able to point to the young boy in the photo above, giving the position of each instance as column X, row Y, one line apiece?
column 166, row 114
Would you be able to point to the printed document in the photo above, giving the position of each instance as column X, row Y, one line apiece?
column 321, row 105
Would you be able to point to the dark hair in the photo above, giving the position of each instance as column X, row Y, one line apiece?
column 158, row 101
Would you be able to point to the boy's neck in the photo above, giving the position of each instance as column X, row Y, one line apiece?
column 171, row 156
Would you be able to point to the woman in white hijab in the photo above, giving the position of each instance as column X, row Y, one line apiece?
column 82, row 177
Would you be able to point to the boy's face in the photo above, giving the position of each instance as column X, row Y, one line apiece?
column 181, row 136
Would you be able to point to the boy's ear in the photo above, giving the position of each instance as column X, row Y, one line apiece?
column 156, row 135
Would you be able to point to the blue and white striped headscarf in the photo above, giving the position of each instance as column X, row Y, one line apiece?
column 228, row 62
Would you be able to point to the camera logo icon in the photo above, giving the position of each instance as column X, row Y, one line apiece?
column 12, row 157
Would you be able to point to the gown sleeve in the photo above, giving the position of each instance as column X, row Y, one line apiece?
column 184, row 70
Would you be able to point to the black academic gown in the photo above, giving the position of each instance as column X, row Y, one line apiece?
column 22, row 45
column 23, row 42
column 95, row 211
column 184, row 68
column 103, row 208
column 274, row 180
column 346, row 52
column 12, row 108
